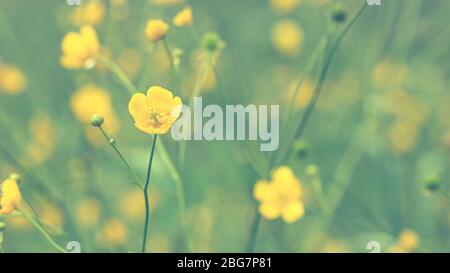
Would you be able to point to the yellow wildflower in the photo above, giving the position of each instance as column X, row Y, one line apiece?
column 12, row 80
column 402, row 135
column 287, row 37
column 387, row 74
column 156, row 30
column 156, row 112
column 91, row 100
column 183, row 18
column 10, row 196
column 280, row 197
column 114, row 232
column 90, row 13
column 408, row 239
column 165, row 2
column 284, row 6
column 88, row 212
column 42, row 142
column 132, row 204
column 304, row 95
column 51, row 214
column 79, row 50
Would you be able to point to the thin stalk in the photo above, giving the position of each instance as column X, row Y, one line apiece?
column 121, row 76
column 42, row 231
column 147, row 204
column 254, row 232
column 179, row 189
column 113, row 144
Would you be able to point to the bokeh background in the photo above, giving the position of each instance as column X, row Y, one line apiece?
column 380, row 130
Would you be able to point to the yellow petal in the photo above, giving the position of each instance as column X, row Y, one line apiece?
column 137, row 105
column 263, row 191
column 293, row 211
column 269, row 210
column 90, row 38
column 159, row 97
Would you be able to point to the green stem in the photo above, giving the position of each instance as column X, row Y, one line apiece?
column 170, row 56
column 113, row 144
column 254, row 232
column 147, row 204
column 119, row 74
column 147, row 64
column 42, row 231
column 179, row 189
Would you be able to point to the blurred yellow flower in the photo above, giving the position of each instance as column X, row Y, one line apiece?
column 387, row 74
column 130, row 61
column 402, row 135
column 156, row 112
column 10, row 196
column 280, row 197
column 42, row 141
column 303, row 95
column 284, row 6
column 408, row 241
column 88, row 212
column 287, row 37
column 91, row 100
column 132, row 204
column 12, row 80
column 114, row 232
column 51, row 214
column 156, row 30
column 79, row 49
column 90, row 13
column 183, row 18
column 165, row 2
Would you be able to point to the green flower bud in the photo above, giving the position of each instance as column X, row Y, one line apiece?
column 212, row 42
column 16, row 177
column 2, row 226
column 301, row 148
column 97, row 120
column 112, row 141
column 312, row 170
column 339, row 14
column 432, row 183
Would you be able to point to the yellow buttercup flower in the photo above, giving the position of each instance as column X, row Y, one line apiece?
column 287, row 37
column 408, row 241
column 280, row 197
column 156, row 30
column 79, row 49
column 183, row 18
column 91, row 100
column 165, row 2
column 10, row 196
column 12, row 80
column 90, row 13
column 156, row 112
column 114, row 233
column 42, row 143
column 284, row 6
column 88, row 212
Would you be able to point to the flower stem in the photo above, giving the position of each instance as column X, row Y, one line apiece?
column 113, row 144
column 169, row 55
column 111, row 65
column 179, row 189
column 254, row 232
column 147, row 204
column 42, row 231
